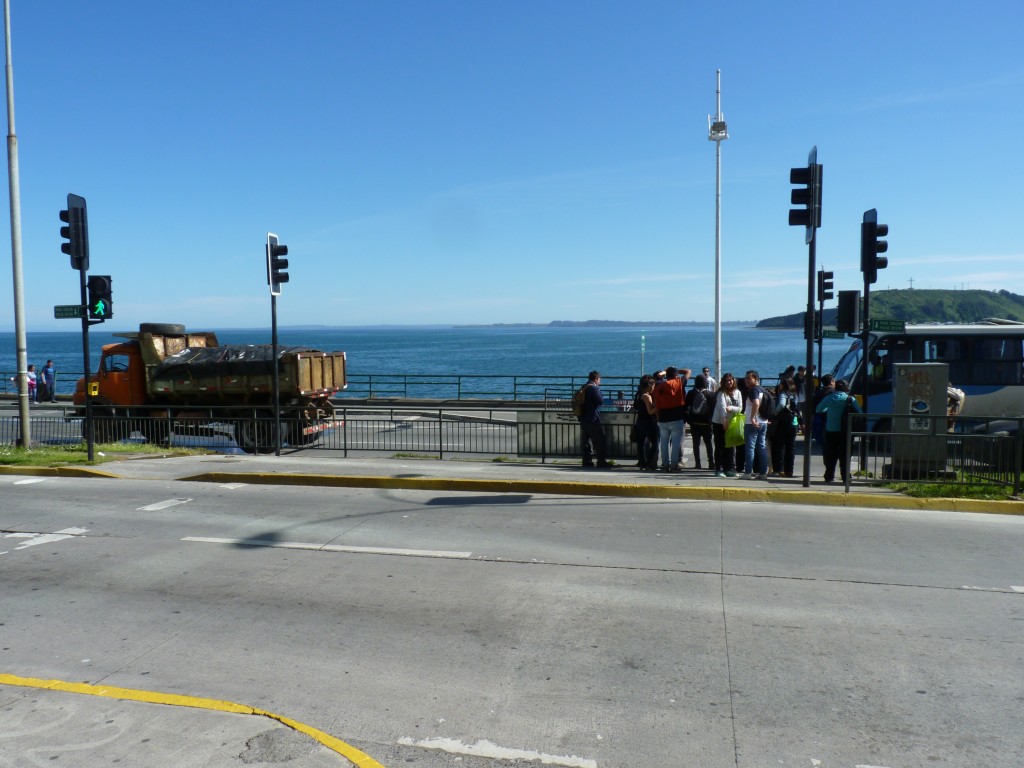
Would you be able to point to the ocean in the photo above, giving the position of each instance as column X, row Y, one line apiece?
column 527, row 351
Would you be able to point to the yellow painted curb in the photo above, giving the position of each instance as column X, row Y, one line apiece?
column 564, row 488
column 7, row 469
column 347, row 751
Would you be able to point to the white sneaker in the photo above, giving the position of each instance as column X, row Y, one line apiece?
column 746, row 476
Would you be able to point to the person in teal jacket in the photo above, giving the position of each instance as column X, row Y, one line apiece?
column 835, row 407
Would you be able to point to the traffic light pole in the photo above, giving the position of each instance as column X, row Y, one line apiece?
column 808, row 378
column 277, row 376
column 90, row 437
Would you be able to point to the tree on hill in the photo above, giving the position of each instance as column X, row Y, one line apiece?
column 916, row 305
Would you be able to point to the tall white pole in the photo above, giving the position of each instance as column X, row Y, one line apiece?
column 717, row 132
column 15, row 196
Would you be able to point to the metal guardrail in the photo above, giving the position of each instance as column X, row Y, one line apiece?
column 439, row 432
column 947, row 450
column 937, row 449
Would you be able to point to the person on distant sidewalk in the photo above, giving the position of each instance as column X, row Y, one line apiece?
column 669, row 399
column 728, row 402
column 700, row 403
column 755, row 430
column 50, row 379
column 594, row 442
column 836, row 406
column 646, row 425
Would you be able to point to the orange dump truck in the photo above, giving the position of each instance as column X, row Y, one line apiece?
column 165, row 378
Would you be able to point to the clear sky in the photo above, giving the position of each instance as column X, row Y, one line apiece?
column 477, row 161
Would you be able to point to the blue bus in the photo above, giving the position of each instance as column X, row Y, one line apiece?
column 986, row 362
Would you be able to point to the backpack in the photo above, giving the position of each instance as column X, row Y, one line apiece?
column 579, row 398
column 766, row 409
column 700, row 408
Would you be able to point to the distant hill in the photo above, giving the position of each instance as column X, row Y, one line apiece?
column 915, row 305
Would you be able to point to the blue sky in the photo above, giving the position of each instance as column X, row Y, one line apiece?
column 494, row 162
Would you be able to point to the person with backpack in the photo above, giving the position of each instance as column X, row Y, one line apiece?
column 785, row 426
column 759, row 404
column 587, row 407
column 699, row 406
column 670, row 400
column 836, row 407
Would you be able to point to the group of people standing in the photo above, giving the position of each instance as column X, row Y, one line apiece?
column 723, row 418
column 42, row 385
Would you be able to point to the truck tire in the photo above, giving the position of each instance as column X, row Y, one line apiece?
column 256, row 435
column 164, row 329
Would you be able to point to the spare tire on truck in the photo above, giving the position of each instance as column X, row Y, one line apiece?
column 162, row 329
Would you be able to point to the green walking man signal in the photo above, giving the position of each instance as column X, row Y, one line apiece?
column 101, row 303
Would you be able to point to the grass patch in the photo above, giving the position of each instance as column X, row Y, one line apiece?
column 414, row 456
column 952, row 491
column 63, row 455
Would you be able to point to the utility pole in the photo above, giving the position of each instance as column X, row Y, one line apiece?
column 25, row 439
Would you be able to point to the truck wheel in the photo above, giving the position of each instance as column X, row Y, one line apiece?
column 255, row 435
column 162, row 329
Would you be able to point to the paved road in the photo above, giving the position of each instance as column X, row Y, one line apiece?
column 419, row 626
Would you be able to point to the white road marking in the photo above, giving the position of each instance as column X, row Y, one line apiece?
column 484, row 748
column 163, row 505
column 29, row 481
column 233, row 486
column 330, row 547
column 870, row 766
column 994, row 589
column 1017, row 589
column 35, row 539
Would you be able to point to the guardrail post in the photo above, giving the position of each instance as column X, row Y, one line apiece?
column 344, row 431
column 543, row 437
column 1018, row 456
column 440, row 435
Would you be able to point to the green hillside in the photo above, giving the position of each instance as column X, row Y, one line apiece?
column 924, row 306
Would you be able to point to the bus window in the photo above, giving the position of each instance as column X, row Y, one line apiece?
column 997, row 360
column 950, row 351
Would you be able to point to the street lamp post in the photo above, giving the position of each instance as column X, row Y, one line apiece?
column 15, row 191
column 718, row 132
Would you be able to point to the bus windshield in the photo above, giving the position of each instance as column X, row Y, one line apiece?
column 847, row 365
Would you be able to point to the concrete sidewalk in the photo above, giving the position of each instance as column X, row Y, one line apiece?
column 314, row 468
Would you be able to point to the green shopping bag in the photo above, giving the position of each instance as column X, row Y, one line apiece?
column 734, row 436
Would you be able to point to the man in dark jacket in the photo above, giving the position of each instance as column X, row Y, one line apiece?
column 592, row 434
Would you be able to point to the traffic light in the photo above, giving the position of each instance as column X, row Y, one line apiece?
column 276, row 265
column 809, row 196
column 76, row 233
column 101, row 303
column 814, row 327
column 824, row 285
column 871, row 245
column 848, row 316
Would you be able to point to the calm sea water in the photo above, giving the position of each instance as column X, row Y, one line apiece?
column 539, row 351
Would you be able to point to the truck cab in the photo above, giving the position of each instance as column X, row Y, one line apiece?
column 121, row 378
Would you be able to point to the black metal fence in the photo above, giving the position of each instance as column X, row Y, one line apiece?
column 937, row 449
column 925, row 449
column 440, row 432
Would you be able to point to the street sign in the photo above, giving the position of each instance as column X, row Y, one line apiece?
column 69, row 311
column 833, row 335
column 888, row 326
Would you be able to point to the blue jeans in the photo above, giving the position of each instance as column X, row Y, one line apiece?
column 755, row 449
column 671, row 430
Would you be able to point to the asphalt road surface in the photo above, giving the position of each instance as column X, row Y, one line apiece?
column 448, row 629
